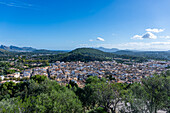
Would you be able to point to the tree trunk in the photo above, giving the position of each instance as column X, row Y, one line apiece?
column 113, row 110
column 155, row 109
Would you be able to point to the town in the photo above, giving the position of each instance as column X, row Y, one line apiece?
column 84, row 56
column 78, row 72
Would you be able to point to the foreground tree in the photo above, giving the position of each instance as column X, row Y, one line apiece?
column 153, row 94
column 39, row 78
column 45, row 96
column 99, row 93
column 61, row 102
column 7, row 90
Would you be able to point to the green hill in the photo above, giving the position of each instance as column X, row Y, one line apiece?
column 89, row 54
column 87, row 51
column 82, row 54
column 2, row 52
column 86, row 55
column 44, row 51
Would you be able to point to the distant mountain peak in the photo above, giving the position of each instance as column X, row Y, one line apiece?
column 107, row 49
column 17, row 49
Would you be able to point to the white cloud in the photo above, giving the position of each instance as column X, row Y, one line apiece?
column 100, row 39
column 137, row 37
column 91, row 40
column 131, row 44
column 143, row 46
column 160, row 43
column 147, row 35
column 155, row 30
column 165, row 37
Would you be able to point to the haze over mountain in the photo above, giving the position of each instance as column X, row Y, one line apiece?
column 93, row 52
column 17, row 49
column 30, row 49
column 107, row 49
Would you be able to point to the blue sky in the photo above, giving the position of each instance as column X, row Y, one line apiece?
column 68, row 24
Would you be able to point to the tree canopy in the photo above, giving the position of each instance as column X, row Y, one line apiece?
column 40, row 94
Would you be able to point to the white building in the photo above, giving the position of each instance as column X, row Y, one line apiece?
column 2, row 77
column 17, row 74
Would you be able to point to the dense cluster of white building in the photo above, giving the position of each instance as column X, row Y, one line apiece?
column 78, row 72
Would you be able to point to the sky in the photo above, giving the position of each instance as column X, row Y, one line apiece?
column 70, row 24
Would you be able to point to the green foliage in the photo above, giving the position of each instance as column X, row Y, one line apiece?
column 98, row 110
column 94, row 80
column 7, row 90
column 98, row 92
column 39, row 78
column 157, row 55
column 110, row 77
column 61, row 102
column 9, row 71
column 4, row 68
column 72, row 84
column 86, row 55
column 152, row 95
column 42, row 96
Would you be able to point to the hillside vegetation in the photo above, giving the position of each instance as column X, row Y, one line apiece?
column 158, row 55
column 90, row 54
column 87, row 54
column 3, row 52
column 40, row 94
column 80, row 54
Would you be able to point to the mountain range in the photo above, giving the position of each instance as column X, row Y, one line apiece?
column 30, row 49
column 162, row 55
column 17, row 49
column 107, row 49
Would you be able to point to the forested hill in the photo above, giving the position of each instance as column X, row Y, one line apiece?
column 44, row 51
column 159, row 55
column 2, row 52
column 89, row 54
column 79, row 54
column 87, row 51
